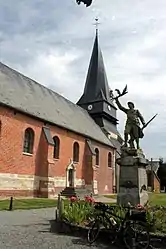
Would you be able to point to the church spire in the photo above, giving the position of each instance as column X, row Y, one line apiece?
column 96, row 24
column 96, row 97
column 96, row 86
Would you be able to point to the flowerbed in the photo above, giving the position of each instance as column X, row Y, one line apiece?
column 77, row 211
column 81, row 212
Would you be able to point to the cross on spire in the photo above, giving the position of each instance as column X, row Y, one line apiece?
column 96, row 24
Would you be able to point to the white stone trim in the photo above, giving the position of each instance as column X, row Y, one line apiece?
column 79, row 182
column 95, row 187
column 71, row 166
column 112, row 135
column 114, row 169
column 31, row 182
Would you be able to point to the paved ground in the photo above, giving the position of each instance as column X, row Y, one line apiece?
column 31, row 229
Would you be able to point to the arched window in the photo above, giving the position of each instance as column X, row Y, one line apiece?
column 28, row 141
column 76, row 152
column 97, row 156
column 56, row 147
column 109, row 160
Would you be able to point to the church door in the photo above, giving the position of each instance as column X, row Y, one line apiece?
column 71, row 178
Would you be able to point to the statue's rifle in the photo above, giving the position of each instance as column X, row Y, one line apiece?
column 144, row 126
column 141, row 134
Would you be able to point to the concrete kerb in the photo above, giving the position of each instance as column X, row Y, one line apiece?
column 62, row 227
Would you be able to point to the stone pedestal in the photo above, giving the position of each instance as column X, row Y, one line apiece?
column 132, row 178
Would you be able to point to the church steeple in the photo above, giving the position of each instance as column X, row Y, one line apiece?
column 96, row 96
column 96, row 86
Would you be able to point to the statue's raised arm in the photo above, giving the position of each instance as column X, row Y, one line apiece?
column 122, row 108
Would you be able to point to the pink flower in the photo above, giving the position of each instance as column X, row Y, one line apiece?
column 89, row 199
column 73, row 199
column 139, row 206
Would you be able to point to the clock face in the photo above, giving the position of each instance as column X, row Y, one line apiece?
column 90, row 107
column 109, row 107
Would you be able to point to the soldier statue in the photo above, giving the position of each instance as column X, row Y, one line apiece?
column 132, row 127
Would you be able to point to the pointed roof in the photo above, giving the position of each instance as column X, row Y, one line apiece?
column 96, row 86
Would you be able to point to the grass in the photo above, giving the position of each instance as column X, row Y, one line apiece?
column 157, row 199
column 113, row 196
column 34, row 203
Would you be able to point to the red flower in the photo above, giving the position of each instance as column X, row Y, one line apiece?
column 73, row 199
column 89, row 199
column 139, row 206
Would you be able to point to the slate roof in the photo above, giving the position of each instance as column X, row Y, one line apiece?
column 26, row 95
column 96, row 86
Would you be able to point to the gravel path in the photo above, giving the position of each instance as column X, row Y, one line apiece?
column 31, row 229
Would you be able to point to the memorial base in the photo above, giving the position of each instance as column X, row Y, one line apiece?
column 132, row 178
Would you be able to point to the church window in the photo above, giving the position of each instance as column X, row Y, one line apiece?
column 149, row 178
column 28, row 141
column 76, row 152
column 109, row 160
column 56, row 147
column 97, row 156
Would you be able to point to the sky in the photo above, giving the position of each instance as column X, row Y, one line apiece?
column 51, row 42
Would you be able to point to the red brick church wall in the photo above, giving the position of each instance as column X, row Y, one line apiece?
column 103, row 173
column 21, row 174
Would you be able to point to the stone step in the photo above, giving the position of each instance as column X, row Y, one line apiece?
column 68, row 192
column 80, row 192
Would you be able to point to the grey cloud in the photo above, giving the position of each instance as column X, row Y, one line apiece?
column 154, row 144
column 33, row 29
column 33, row 16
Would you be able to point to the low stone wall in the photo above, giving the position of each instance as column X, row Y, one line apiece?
column 74, row 230
column 157, row 240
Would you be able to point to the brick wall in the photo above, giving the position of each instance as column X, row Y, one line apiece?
column 153, row 182
column 156, row 184
column 21, row 173
column 104, row 174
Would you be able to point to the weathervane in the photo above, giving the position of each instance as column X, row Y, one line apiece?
column 86, row 2
column 96, row 24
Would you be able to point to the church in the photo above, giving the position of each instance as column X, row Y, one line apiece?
column 50, row 145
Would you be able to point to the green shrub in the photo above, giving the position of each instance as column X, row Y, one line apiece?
column 156, row 218
column 80, row 212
